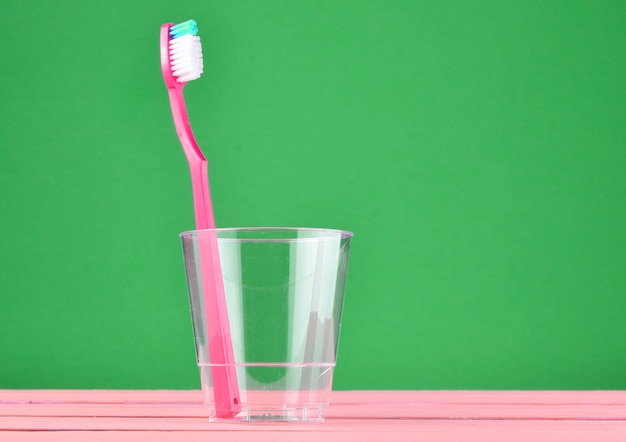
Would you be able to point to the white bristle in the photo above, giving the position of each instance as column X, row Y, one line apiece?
column 186, row 58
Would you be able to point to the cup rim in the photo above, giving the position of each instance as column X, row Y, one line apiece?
column 344, row 234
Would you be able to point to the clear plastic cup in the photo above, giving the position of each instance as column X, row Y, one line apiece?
column 284, row 290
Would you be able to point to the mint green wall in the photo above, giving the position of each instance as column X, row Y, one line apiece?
column 477, row 150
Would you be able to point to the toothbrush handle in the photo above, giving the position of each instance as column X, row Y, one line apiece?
column 223, row 371
column 198, row 165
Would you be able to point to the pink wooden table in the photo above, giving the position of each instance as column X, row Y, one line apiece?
column 55, row 415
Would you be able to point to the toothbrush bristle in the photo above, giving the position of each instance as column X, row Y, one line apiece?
column 186, row 27
column 185, row 51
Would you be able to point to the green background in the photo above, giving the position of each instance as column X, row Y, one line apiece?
column 477, row 149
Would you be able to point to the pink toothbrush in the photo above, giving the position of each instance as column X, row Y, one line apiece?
column 181, row 61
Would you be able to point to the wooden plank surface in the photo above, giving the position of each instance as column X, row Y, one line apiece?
column 53, row 415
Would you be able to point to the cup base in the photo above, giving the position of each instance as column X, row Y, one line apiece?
column 284, row 414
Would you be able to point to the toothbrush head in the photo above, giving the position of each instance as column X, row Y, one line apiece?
column 181, row 53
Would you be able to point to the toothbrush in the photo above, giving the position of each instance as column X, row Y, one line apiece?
column 181, row 62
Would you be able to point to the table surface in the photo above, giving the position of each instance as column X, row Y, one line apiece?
column 124, row 415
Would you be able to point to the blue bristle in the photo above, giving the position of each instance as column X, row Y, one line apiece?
column 184, row 28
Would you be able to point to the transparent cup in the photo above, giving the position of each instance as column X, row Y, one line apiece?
column 283, row 290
